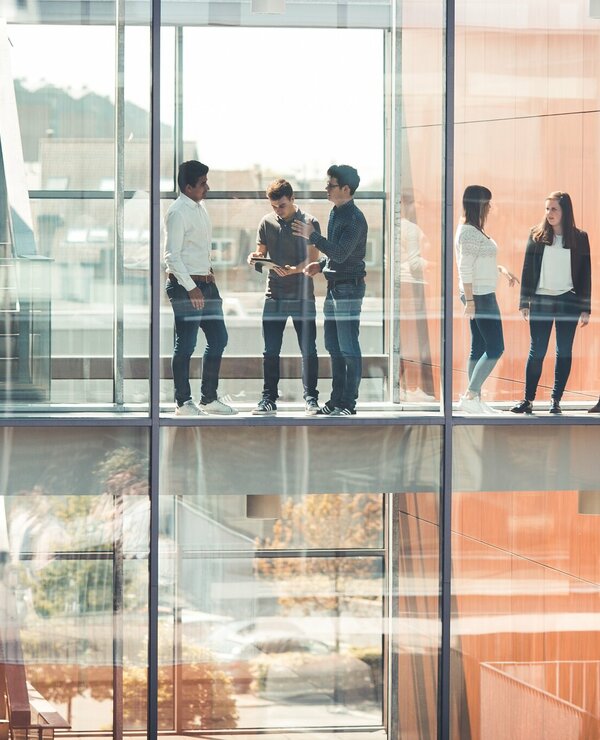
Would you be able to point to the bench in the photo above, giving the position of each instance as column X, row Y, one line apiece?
column 24, row 713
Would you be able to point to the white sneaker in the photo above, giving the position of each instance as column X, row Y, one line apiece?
column 419, row 395
column 189, row 408
column 470, row 406
column 488, row 409
column 218, row 407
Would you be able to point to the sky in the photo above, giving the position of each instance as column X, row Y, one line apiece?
column 290, row 100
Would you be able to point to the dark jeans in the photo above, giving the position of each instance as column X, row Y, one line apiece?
column 187, row 322
column 563, row 311
column 487, row 340
column 275, row 315
column 342, row 307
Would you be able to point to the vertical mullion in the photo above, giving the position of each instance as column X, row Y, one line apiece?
column 445, row 519
column 119, row 204
column 155, row 370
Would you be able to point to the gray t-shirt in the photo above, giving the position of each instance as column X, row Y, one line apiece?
column 286, row 249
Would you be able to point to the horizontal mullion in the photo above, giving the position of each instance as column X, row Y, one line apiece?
column 171, row 195
column 342, row 552
column 83, row 555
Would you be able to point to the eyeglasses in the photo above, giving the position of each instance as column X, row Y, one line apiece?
column 331, row 186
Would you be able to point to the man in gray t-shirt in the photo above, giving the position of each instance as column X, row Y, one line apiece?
column 289, row 294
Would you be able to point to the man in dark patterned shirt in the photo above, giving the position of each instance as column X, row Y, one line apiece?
column 344, row 268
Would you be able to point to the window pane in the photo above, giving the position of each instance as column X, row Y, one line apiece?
column 91, row 251
column 242, row 289
column 527, row 125
column 261, row 105
column 75, row 509
column 526, row 587
column 276, row 597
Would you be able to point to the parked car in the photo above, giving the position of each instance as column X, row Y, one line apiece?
column 278, row 664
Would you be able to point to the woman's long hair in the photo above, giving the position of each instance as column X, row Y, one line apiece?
column 475, row 200
column 544, row 233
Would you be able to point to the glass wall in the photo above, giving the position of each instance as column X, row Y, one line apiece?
column 418, row 59
column 526, row 586
column 85, row 140
column 286, row 593
column 322, row 577
column 527, row 125
column 74, row 578
column 81, row 136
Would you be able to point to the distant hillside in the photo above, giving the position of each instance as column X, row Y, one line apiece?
column 53, row 112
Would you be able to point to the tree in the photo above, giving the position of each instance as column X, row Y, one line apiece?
column 325, row 522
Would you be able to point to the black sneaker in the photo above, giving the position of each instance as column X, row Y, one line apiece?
column 555, row 407
column 265, row 408
column 327, row 409
column 312, row 407
column 524, row 407
column 339, row 411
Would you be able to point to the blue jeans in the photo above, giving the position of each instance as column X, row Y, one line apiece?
column 487, row 340
column 563, row 311
column 275, row 315
column 187, row 322
column 342, row 307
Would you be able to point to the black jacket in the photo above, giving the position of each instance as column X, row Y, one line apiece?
column 581, row 271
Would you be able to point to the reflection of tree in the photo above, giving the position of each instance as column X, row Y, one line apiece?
column 334, row 585
column 85, row 524
column 71, row 542
column 324, row 522
column 206, row 699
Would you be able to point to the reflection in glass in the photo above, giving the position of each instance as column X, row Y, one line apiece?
column 526, row 585
column 74, row 573
column 526, row 124
column 289, row 634
column 416, row 637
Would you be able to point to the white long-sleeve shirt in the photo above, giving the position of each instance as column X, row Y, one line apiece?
column 188, row 240
column 476, row 256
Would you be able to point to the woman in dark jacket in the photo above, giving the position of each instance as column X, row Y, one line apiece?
column 555, row 289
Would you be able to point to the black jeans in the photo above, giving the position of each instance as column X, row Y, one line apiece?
column 563, row 311
column 303, row 313
column 187, row 322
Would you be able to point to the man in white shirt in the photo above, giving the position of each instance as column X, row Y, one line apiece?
column 193, row 293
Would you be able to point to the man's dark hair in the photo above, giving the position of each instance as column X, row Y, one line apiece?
column 190, row 172
column 280, row 189
column 345, row 175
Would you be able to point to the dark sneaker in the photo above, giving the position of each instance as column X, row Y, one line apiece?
column 265, row 408
column 312, row 407
column 524, row 407
column 555, row 407
column 338, row 411
column 595, row 409
column 327, row 409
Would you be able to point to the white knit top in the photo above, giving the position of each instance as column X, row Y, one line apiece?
column 476, row 258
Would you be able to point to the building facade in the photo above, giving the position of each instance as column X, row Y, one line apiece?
column 409, row 572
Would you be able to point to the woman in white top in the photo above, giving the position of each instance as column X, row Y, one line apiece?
column 478, row 273
column 556, row 288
